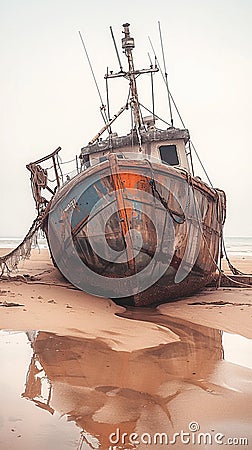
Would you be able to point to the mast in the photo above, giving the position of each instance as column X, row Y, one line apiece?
column 128, row 45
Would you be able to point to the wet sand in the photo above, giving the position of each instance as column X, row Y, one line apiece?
column 85, row 363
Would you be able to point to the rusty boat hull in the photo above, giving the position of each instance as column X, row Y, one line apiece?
column 153, row 237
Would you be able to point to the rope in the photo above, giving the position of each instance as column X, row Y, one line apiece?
column 153, row 179
column 221, row 273
column 66, row 162
column 172, row 213
column 165, row 204
column 233, row 269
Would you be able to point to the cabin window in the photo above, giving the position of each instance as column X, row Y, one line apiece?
column 169, row 155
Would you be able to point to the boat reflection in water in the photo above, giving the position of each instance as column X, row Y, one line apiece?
column 160, row 389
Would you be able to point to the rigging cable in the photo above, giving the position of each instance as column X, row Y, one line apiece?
column 66, row 162
column 232, row 268
column 190, row 155
column 166, row 74
column 156, row 116
column 218, row 267
column 103, row 107
column 180, row 117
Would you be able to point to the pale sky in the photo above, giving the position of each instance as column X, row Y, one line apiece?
column 48, row 98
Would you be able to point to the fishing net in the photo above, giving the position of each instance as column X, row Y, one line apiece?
column 39, row 180
column 9, row 262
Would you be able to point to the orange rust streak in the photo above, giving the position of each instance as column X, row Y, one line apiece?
column 125, row 211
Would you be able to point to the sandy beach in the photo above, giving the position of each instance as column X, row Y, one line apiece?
column 110, row 370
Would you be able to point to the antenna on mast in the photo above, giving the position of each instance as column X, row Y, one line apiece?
column 116, row 49
column 152, row 89
column 166, row 74
column 103, row 107
column 128, row 45
column 131, row 74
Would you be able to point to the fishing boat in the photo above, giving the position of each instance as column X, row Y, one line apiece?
column 134, row 224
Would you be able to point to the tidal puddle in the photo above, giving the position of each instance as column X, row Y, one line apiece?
column 22, row 425
column 62, row 392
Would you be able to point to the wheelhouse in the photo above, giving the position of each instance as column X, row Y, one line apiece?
column 165, row 146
